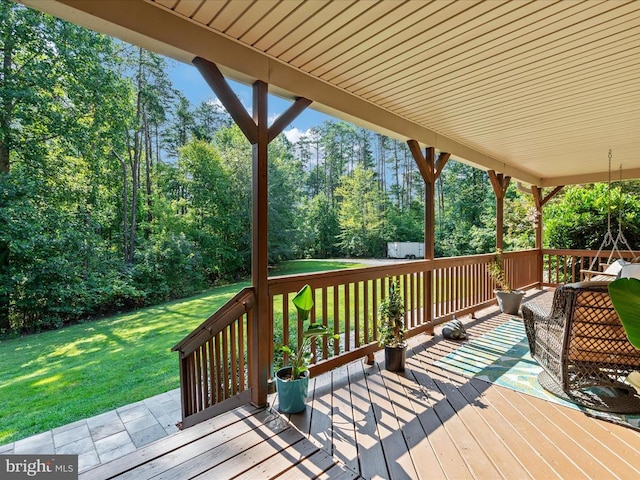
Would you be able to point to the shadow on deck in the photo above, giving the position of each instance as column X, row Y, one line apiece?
column 247, row 442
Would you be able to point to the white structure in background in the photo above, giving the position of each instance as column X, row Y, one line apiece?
column 405, row 250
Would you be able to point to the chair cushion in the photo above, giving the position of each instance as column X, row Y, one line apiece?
column 616, row 267
column 630, row 271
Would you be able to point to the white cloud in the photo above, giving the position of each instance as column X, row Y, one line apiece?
column 294, row 134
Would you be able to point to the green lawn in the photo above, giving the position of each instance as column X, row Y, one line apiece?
column 58, row 377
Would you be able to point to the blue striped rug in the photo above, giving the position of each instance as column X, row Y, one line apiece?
column 502, row 357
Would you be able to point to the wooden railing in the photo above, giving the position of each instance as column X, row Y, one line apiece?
column 347, row 300
column 215, row 361
column 560, row 267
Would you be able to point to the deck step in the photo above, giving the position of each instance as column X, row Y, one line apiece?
column 246, row 442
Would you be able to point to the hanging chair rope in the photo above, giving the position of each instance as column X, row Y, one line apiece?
column 608, row 239
column 620, row 238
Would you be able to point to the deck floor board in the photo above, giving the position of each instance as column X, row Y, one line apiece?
column 370, row 455
column 344, row 434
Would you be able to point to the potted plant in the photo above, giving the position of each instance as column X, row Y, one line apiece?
column 292, row 381
column 509, row 300
column 391, row 329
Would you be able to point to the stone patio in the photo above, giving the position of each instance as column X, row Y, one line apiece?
column 107, row 436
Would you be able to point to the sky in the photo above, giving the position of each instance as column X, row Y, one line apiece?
column 188, row 80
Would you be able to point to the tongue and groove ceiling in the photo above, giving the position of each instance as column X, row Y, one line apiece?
column 539, row 90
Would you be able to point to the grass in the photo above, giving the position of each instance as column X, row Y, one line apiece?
column 294, row 267
column 57, row 377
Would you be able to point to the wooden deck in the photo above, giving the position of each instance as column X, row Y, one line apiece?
column 425, row 423
column 430, row 423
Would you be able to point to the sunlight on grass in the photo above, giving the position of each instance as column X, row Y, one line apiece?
column 24, row 378
column 79, row 347
column 57, row 377
column 46, row 381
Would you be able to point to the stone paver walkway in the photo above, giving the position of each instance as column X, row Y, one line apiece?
column 107, row 436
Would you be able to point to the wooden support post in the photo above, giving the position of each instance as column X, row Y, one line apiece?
column 228, row 98
column 500, row 184
column 430, row 170
column 259, row 134
column 259, row 249
column 539, row 201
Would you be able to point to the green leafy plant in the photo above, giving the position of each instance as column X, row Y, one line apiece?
column 391, row 315
column 300, row 360
column 496, row 270
column 625, row 296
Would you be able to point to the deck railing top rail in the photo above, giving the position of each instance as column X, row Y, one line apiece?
column 234, row 308
column 586, row 253
column 289, row 283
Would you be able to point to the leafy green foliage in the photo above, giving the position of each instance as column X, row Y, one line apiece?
column 361, row 225
column 579, row 217
column 318, row 228
column 391, row 327
column 285, row 189
column 625, row 296
column 497, row 272
column 300, row 359
column 303, row 301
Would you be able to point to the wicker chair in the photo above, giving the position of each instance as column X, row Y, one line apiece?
column 583, row 349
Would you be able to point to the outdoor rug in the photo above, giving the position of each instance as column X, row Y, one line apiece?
column 502, row 357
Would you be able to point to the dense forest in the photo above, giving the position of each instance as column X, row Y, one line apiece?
column 116, row 192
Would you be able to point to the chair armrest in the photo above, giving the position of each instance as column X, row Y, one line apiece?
column 544, row 328
column 533, row 312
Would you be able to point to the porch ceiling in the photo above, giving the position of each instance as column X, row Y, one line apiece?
column 539, row 90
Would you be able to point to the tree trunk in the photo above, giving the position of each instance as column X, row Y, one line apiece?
column 125, row 228
column 7, row 108
column 135, row 185
column 5, row 150
column 396, row 167
column 148, row 166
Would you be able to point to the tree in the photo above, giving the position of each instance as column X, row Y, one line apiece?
column 337, row 146
column 467, row 211
column 58, row 89
column 361, row 223
column 153, row 93
column 180, row 128
column 232, row 145
column 578, row 217
column 209, row 117
column 208, row 196
column 286, row 179
column 318, row 228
